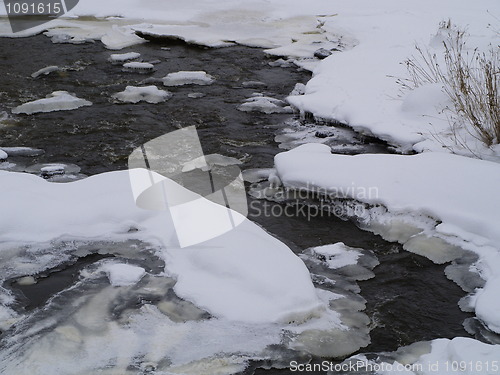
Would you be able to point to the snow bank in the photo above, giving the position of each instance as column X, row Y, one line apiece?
column 57, row 101
column 188, row 78
column 410, row 196
column 244, row 275
column 150, row 94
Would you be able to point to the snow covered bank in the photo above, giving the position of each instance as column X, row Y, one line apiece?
column 56, row 101
column 254, row 289
column 434, row 203
column 358, row 86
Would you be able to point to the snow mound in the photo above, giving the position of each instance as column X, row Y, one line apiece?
column 120, row 58
column 3, row 155
column 265, row 104
column 123, row 274
column 150, row 94
column 182, row 78
column 56, row 101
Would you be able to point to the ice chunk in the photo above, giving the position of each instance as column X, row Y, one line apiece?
column 196, row 95
column 51, row 169
column 3, row 155
column 56, row 101
column 139, row 67
column 150, row 94
column 120, row 58
column 46, row 71
column 253, row 84
column 182, row 78
column 123, row 274
column 265, row 104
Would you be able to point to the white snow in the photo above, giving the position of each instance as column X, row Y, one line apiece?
column 123, row 274
column 458, row 191
column 56, row 101
column 188, row 78
column 122, row 57
column 150, row 94
column 265, row 104
column 3, row 155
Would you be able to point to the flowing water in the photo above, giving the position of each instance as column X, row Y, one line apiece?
column 408, row 300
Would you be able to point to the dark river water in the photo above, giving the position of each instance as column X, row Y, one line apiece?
column 408, row 300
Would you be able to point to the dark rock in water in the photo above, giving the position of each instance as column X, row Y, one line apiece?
column 322, row 53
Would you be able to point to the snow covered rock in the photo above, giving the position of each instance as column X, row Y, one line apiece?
column 123, row 274
column 56, row 101
column 120, row 58
column 138, row 67
column 3, row 154
column 265, row 104
column 150, row 94
column 182, row 78
column 22, row 151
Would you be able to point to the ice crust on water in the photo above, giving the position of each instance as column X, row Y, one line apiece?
column 120, row 58
column 150, row 94
column 265, row 104
column 56, row 101
column 405, row 207
column 182, row 78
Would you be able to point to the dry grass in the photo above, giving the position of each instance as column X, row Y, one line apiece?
column 469, row 78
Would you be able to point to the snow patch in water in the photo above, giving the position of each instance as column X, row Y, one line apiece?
column 150, row 94
column 56, row 101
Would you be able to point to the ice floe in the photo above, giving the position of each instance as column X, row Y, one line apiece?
column 120, row 58
column 138, row 67
column 56, row 101
column 419, row 200
column 150, row 94
column 265, row 104
column 188, row 78
column 123, row 274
